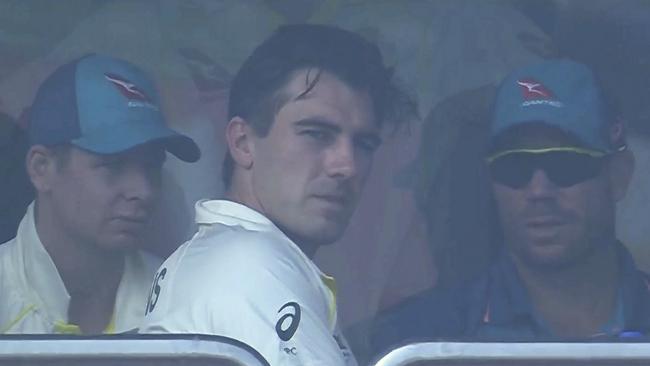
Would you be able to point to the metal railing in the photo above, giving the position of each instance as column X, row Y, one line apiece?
column 126, row 350
column 508, row 354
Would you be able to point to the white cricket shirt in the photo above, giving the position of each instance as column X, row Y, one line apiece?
column 241, row 277
column 33, row 298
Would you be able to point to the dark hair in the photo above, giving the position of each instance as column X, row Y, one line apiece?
column 356, row 61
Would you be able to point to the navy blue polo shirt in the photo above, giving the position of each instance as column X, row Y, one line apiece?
column 496, row 307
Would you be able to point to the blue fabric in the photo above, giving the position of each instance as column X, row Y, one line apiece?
column 103, row 105
column 460, row 313
column 561, row 93
column 53, row 115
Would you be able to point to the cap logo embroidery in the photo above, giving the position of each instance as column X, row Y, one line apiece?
column 135, row 95
column 535, row 93
column 533, row 89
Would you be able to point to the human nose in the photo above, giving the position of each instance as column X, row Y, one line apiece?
column 540, row 186
column 341, row 160
column 142, row 183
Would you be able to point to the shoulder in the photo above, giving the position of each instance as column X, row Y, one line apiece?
column 237, row 261
column 432, row 314
column 221, row 280
column 234, row 249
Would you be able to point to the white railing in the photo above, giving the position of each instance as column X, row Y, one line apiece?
column 126, row 350
column 508, row 354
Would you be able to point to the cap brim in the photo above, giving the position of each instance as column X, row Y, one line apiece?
column 115, row 141
column 182, row 147
column 572, row 149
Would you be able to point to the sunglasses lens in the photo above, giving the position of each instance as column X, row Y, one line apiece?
column 512, row 170
column 566, row 169
column 563, row 168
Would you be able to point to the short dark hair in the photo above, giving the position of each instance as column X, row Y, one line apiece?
column 351, row 58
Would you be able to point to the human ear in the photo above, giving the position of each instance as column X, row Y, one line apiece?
column 41, row 165
column 240, row 143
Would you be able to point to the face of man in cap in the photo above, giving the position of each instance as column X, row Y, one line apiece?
column 104, row 200
column 556, row 206
column 98, row 143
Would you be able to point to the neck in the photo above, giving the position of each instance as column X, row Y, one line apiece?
column 81, row 265
column 308, row 248
column 245, row 198
column 575, row 300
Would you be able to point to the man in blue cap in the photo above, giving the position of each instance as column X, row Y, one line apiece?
column 97, row 144
column 558, row 165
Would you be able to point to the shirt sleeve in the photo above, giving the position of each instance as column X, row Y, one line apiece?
column 258, row 297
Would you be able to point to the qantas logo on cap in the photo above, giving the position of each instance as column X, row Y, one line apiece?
column 127, row 88
column 534, row 90
column 135, row 95
column 535, row 93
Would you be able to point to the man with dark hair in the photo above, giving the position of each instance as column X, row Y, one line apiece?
column 98, row 142
column 306, row 109
column 558, row 165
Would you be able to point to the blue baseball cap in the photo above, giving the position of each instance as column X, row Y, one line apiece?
column 103, row 105
column 560, row 93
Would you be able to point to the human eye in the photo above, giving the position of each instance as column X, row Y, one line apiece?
column 319, row 135
column 368, row 143
column 110, row 164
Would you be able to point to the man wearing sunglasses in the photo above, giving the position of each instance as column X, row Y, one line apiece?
column 558, row 165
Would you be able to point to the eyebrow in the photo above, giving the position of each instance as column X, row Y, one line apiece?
column 376, row 139
column 320, row 122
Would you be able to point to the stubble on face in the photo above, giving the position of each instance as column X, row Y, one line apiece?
column 550, row 227
column 106, row 201
column 309, row 170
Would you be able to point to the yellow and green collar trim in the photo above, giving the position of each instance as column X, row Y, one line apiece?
column 573, row 149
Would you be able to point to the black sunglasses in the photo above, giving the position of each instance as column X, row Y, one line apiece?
column 563, row 168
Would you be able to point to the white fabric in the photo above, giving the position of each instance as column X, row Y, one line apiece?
column 232, row 279
column 34, row 298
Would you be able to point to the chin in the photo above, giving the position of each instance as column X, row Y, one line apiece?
column 550, row 258
column 315, row 228
column 121, row 243
column 326, row 234
column 325, row 238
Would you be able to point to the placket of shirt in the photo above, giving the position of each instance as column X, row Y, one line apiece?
column 67, row 328
column 38, row 265
column 508, row 304
column 42, row 280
